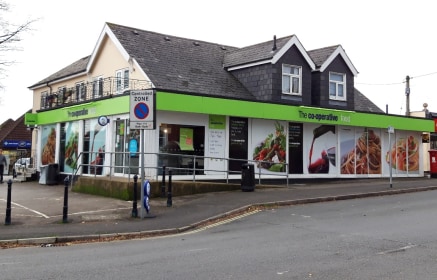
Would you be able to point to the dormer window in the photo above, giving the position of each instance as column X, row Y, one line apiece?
column 291, row 79
column 337, row 86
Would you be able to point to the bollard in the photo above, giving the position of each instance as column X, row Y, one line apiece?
column 65, row 209
column 169, row 199
column 8, row 204
column 163, row 182
column 134, row 202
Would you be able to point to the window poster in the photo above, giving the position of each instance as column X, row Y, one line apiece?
column 321, row 150
column 186, row 139
column 48, row 144
column 404, row 153
column 238, row 142
column 71, row 146
column 347, row 150
column 217, row 142
column 295, row 148
column 270, row 145
column 361, row 154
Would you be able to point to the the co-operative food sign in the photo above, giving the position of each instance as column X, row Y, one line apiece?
column 142, row 109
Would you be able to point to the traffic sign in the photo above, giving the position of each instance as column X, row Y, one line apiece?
column 142, row 109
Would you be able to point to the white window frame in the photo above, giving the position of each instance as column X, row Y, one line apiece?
column 80, row 91
column 335, row 87
column 122, row 80
column 97, row 91
column 61, row 92
column 44, row 101
column 291, row 79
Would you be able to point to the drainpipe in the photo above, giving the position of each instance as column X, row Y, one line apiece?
column 50, row 87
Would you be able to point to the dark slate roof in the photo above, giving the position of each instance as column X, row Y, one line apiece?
column 196, row 67
column 76, row 67
column 363, row 104
column 319, row 56
column 254, row 53
column 181, row 65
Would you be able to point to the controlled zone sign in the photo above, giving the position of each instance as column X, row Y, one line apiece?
column 142, row 109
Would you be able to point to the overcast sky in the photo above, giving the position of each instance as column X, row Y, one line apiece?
column 385, row 40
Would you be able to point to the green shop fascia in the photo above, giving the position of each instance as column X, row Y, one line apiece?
column 310, row 117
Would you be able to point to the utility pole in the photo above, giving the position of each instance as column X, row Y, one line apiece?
column 407, row 93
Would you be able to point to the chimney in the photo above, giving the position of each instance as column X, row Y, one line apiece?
column 274, row 43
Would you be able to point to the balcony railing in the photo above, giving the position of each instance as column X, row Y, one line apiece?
column 88, row 91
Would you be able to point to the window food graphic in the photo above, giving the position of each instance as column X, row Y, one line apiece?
column 97, row 148
column 271, row 151
column 48, row 142
column 71, row 147
column 363, row 156
column 404, row 154
column 320, row 155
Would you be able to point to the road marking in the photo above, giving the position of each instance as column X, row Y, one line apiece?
column 226, row 221
column 402, row 249
column 28, row 209
column 95, row 211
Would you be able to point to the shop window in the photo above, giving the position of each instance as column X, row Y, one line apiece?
column 182, row 147
column 93, row 147
column 69, row 143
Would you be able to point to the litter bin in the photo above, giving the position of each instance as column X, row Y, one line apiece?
column 433, row 163
column 52, row 174
column 43, row 174
column 247, row 177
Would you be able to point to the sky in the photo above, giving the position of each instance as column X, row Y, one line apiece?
column 385, row 40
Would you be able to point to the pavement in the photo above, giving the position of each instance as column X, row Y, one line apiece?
column 39, row 214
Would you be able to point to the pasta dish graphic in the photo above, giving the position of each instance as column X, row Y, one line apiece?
column 404, row 154
column 48, row 151
column 365, row 158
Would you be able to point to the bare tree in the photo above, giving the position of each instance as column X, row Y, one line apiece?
column 9, row 38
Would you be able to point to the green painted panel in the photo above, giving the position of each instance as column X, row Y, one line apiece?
column 111, row 106
column 229, row 107
column 238, row 108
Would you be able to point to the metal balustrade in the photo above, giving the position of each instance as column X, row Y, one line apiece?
column 89, row 91
column 186, row 167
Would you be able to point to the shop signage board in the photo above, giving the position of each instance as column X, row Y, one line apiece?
column 142, row 109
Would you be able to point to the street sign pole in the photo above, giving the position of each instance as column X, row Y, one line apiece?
column 142, row 116
column 142, row 173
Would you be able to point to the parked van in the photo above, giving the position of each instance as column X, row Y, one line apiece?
column 22, row 162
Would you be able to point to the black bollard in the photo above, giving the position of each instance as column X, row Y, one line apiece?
column 8, row 204
column 65, row 209
column 169, row 199
column 163, row 182
column 134, row 202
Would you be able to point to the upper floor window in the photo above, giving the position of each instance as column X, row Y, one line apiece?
column 337, row 86
column 44, row 99
column 122, row 80
column 62, row 94
column 291, row 79
column 97, row 87
column 80, row 91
